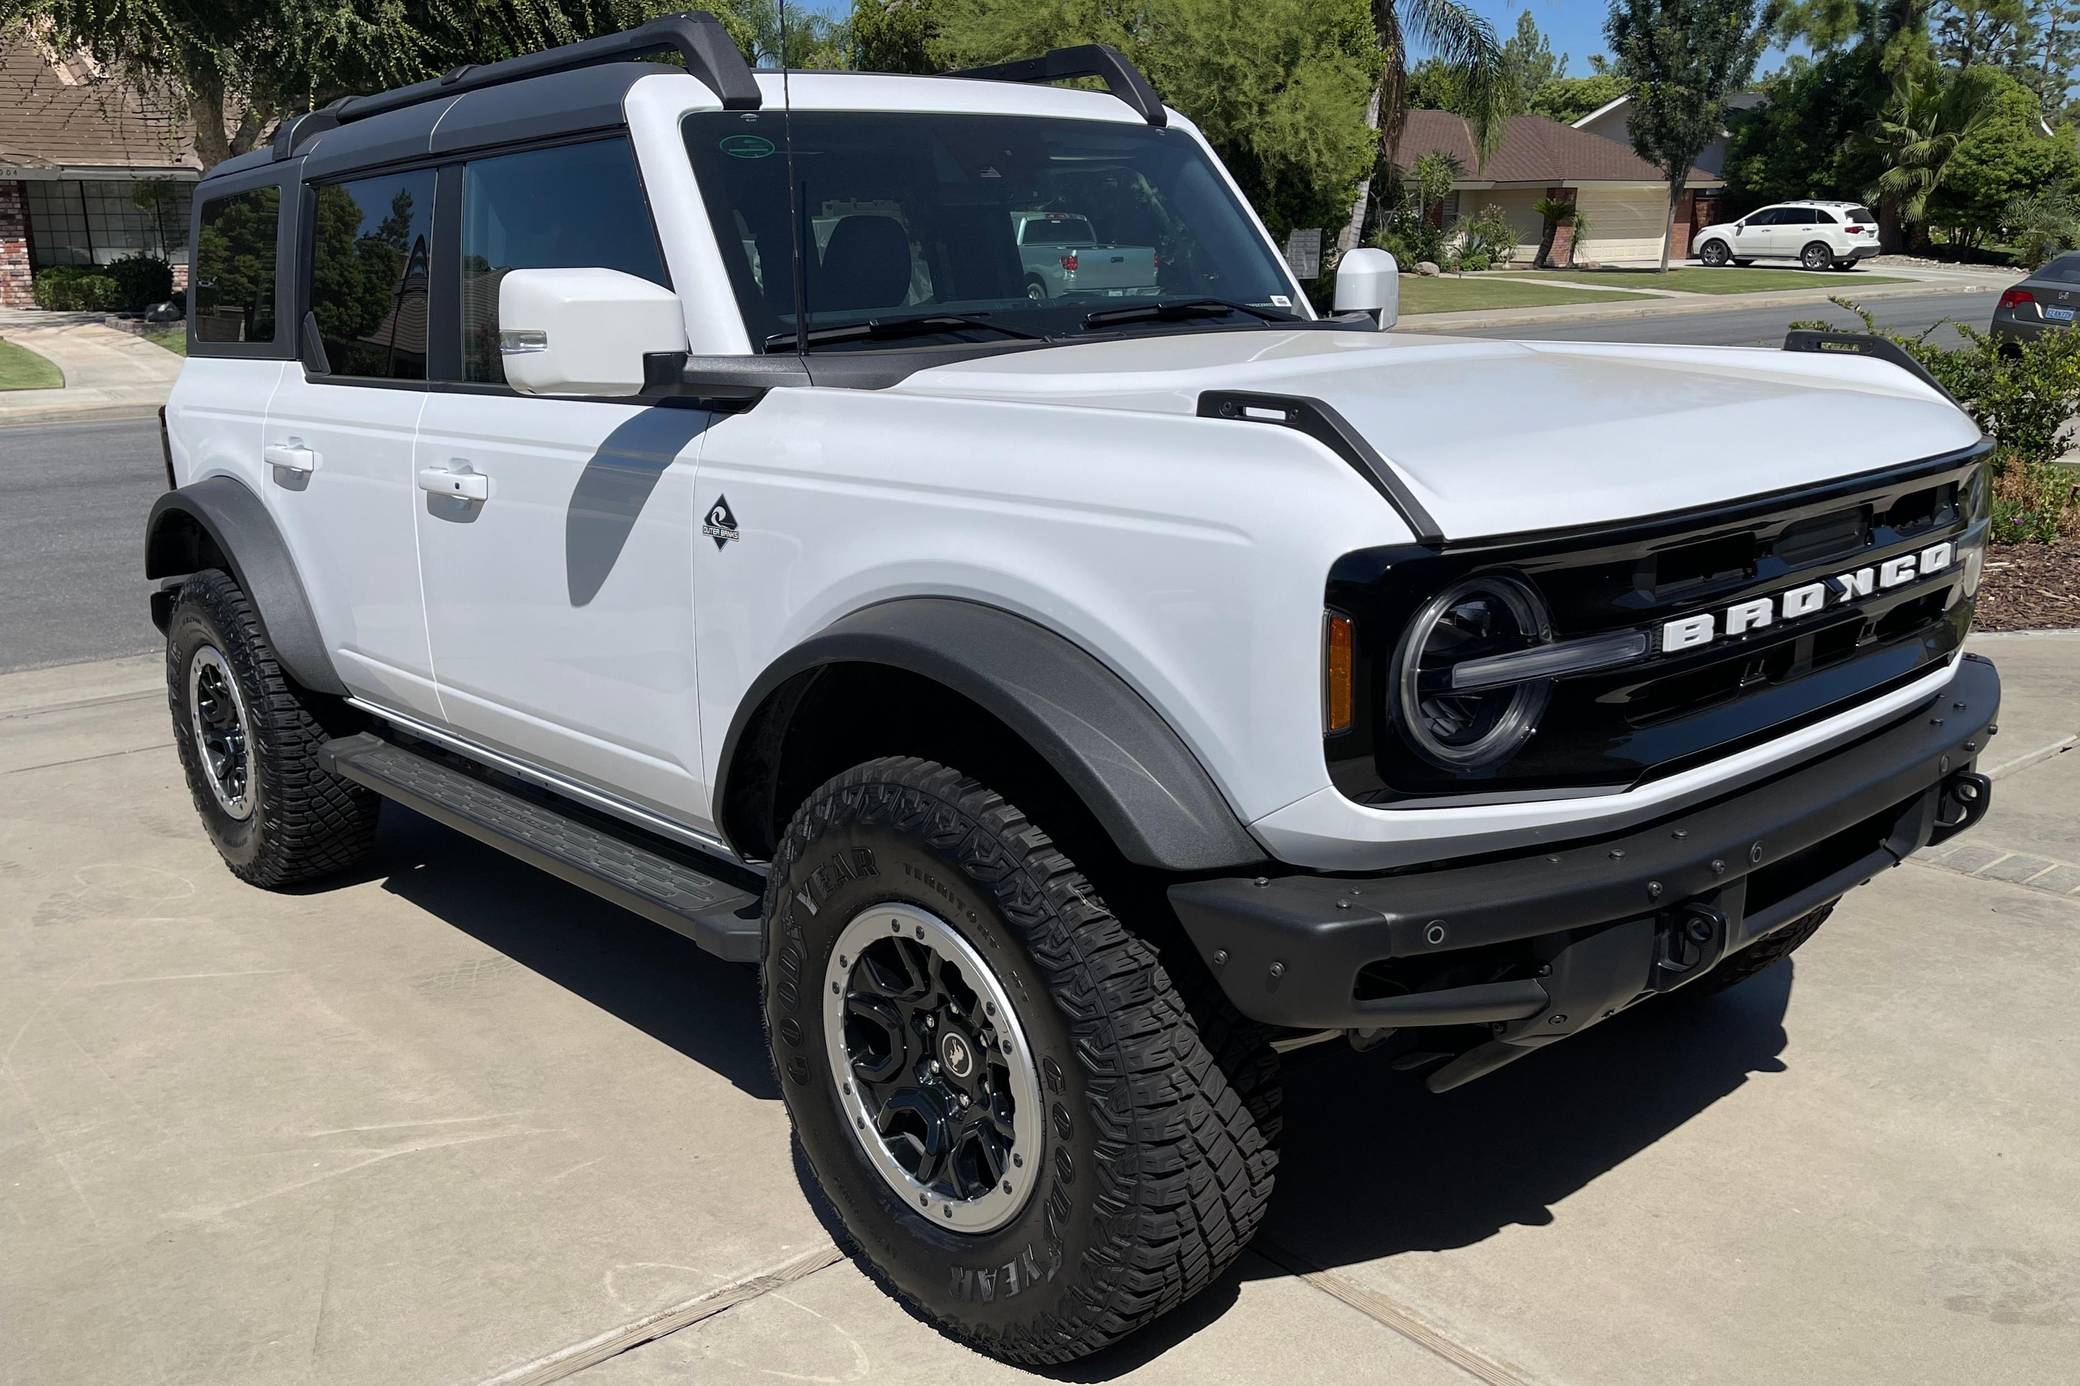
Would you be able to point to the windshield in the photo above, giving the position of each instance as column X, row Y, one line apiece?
column 988, row 226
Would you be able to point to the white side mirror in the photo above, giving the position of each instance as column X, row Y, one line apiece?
column 583, row 331
column 1368, row 281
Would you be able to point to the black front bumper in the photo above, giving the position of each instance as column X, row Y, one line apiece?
column 1541, row 945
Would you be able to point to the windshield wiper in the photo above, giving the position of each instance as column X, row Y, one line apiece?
column 1183, row 308
column 888, row 329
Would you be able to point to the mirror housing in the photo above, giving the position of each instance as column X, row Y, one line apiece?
column 1369, row 282
column 583, row 331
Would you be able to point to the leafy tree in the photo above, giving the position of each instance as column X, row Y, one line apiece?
column 1277, row 86
column 2004, row 158
column 1684, row 58
column 2042, row 224
column 1806, row 138
column 1528, row 64
column 894, row 35
column 2048, row 51
column 1969, row 32
column 1568, row 99
column 236, row 66
column 1917, row 135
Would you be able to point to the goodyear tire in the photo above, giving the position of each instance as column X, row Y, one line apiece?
column 248, row 740
column 1026, row 1134
column 1760, row 957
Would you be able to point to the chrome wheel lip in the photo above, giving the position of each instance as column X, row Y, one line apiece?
column 1010, row 1195
column 223, row 745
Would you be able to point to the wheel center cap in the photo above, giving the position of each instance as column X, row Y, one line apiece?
column 956, row 1055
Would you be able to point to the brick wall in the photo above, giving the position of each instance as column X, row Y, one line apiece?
column 14, row 245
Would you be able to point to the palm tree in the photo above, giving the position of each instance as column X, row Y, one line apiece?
column 1915, row 134
column 1465, row 42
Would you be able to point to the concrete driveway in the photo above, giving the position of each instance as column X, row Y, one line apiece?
column 452, row 1121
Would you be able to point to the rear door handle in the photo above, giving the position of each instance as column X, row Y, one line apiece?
column 290, row 455
column 457, row 480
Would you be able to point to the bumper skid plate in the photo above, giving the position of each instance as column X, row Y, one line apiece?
column 1541, row 945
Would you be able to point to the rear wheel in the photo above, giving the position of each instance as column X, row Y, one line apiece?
column 1025, row 1131
column 1036, row 288
column 1714, row 253
column 1816, row 256
column 1760, row 957
column 248, row 740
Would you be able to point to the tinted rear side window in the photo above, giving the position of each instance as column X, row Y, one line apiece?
column 370, row 258
column 234, row 293
column 1860, row 215
column 572, row 206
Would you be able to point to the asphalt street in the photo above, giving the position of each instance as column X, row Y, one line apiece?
column 73, row 499
column 73, row 496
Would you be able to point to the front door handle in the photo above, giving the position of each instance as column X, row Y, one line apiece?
column 291, row 456
column 457, row 480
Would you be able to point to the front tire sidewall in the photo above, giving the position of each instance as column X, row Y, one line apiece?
column 988, row 1283
column 194, row 627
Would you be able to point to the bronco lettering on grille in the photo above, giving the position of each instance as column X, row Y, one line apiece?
column 1689, row 632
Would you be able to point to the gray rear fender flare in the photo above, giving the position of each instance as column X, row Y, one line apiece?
column 1127, row 766
column 235, row 522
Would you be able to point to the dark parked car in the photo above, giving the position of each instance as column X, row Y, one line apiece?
column 2044, row 302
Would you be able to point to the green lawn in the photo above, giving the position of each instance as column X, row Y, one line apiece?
column 1731, row 280
column 174, row 339
column 23, row 369
column 1450, row 294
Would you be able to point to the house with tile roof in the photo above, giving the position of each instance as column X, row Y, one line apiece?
column 91, row 169
column 1623, row 198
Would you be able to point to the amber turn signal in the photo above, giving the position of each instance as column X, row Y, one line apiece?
column 1336, row 673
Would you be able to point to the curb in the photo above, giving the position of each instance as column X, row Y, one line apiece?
column 85, row 413
column 1687, row 303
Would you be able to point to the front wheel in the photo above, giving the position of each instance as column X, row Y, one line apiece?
column 1816, row 256
column 1714, row 254
column 248, row 741
column 995, row 1083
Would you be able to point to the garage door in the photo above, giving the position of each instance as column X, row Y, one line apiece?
column 1624, row 223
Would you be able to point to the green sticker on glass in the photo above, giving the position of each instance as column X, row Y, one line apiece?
column 746, row 146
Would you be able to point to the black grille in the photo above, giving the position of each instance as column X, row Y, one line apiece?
column 1620, row 727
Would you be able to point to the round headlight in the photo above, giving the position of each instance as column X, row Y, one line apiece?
column 1458, row 727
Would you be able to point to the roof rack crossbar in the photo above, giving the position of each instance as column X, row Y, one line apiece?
column 696, row 36
column 1100, row 60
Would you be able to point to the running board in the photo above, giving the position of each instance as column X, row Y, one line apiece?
column 721, row 917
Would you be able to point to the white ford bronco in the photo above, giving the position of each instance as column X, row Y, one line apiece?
column 661, row 472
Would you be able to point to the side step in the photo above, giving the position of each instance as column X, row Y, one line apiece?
column 721, row 917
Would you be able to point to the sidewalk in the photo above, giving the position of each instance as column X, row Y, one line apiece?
column 1666, row 302
column 108, row 372
column 451, row 1120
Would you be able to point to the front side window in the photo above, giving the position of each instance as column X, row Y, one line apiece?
column 1019, row 226
column 234, row 290
column 371, row 248
column 570, row 206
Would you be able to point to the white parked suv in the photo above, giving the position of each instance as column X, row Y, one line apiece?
column 1067, row 705
column 1819, row 235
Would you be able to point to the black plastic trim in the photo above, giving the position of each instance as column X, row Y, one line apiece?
column 1320, row 421
column 1115, row 752
column 1288, row 950
column 237, row 522
column 1824, row 343
column 1100, row 60
column 697, row 37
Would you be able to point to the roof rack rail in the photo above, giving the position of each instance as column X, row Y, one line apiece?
column 1100, row 60
column 696, row 36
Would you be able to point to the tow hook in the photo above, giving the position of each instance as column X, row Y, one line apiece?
column 1963, row 801
column 1694, row 937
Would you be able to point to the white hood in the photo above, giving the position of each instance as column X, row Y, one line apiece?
column 1504, row 437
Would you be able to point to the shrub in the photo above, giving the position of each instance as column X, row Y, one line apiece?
column 76, row 288
column 1408, row 237
column 142, row 280
column 1488, row 234
column 2034, row 502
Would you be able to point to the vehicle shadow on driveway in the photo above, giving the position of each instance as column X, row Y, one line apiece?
column 1374, row 1165
column 648, row 976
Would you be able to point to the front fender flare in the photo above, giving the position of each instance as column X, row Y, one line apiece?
column 237, row 523
column 1114, row 751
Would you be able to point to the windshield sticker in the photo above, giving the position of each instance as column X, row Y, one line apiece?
column 1281, row 301
column 745, row 146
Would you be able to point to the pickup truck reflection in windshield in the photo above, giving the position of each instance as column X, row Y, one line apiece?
column 1062, row 256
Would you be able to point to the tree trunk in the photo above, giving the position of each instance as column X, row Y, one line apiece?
column 1892, row 231
column 1354, row 229
column 1668, row 228
column 206, row 110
